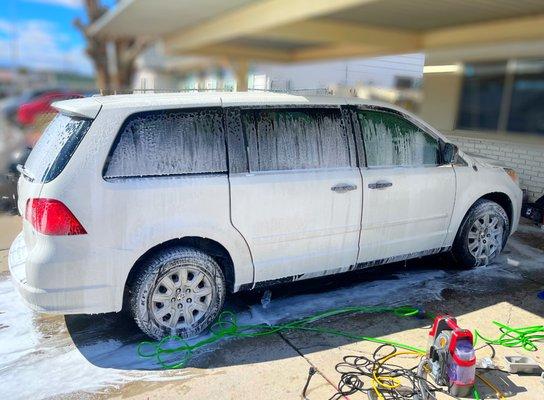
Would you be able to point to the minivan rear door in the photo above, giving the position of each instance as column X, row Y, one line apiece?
column 297, row 198
column 47, row 160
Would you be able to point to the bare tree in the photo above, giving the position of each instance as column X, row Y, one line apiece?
column 125, row 51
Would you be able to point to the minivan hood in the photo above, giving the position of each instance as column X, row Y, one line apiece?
column 483, row 160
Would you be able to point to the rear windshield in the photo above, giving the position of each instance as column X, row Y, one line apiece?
column 55, row 147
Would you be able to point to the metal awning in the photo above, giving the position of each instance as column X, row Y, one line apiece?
column 301, row 30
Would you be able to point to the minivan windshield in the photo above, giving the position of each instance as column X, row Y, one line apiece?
column 55, row 147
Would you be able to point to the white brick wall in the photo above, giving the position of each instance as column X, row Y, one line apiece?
column 527, row 160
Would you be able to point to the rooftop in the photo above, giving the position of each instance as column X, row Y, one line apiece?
column 89, row 106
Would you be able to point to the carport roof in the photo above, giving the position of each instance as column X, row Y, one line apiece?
column 297, row 30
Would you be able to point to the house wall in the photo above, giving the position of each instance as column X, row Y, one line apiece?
column 441, row 92
column 527, row 159
column 441, row 96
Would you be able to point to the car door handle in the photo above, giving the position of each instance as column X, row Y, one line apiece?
column 343, row 187
column 380, row 185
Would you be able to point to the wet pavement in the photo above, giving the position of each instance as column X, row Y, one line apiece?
column 85, row 356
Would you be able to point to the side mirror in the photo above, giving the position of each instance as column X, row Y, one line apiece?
column 449, row 153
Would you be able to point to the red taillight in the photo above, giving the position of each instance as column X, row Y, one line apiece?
column 52, row 217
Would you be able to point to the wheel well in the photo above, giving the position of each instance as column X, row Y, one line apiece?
column 504, row 201
column 214, row 249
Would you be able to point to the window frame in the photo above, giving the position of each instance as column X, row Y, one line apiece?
column 129, row 118
column 358, row 132
column 58, row 165
column 504, row 76
column 235, row 135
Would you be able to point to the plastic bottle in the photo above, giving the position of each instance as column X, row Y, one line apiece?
column 462, row 377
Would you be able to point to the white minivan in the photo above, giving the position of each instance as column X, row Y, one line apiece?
column 162, row 204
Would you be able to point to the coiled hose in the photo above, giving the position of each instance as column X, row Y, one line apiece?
column 227, row 326
column 515, row 337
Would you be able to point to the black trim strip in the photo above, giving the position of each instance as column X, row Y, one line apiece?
column 366, row 264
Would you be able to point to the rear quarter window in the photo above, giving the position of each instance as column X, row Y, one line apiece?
column 56, row 146
column 165, row 143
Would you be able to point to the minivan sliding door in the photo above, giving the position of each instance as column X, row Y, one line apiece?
column 298, row 203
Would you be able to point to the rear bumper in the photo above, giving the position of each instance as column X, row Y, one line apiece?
column 62, row 300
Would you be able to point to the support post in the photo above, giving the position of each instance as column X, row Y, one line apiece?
column 240, row 69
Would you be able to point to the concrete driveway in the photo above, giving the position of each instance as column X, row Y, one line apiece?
column 95, row 356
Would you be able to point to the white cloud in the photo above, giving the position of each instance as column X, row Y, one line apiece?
column 6, row 27
column 37, row 44
column 63, row 3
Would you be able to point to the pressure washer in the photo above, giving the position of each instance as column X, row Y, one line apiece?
column 450, row 356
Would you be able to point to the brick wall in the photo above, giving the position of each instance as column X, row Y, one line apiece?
column 526, row 159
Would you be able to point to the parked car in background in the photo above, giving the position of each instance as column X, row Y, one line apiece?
column 11, row 105
column 27, row 113
column 8, row 179
column 163, row 203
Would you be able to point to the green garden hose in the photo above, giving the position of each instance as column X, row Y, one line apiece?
column 515, row 337
column 227, row 326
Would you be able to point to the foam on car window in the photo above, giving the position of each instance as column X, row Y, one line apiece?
column 391, row 140
column 169, row 143
column 285, row 139
column 56, row 146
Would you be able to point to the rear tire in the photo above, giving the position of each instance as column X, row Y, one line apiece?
column 482, row 234
column 177, row 291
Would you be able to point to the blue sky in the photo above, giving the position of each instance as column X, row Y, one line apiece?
column 40, row 34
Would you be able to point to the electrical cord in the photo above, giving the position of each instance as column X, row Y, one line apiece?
column 311, row 372
column 493, row 353
column 379, row 377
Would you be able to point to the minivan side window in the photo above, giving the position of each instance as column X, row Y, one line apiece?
column 163, row 143
column 295, row 138
column 391, row 140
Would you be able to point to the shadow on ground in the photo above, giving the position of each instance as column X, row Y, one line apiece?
column 110, row 340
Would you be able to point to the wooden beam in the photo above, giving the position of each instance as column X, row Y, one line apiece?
column 238, row 52
column 265, row 14
column 333, row 31
column 339, row 51
column 333, row 51
column 507, row 30
column 342, row 40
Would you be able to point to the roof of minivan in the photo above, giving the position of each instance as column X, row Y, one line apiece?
column 90, row 106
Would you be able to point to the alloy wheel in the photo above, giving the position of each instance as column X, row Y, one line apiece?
column 485, row 237
column 181, row 297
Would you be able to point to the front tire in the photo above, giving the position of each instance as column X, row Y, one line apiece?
column 482, row 235
column 178, row 291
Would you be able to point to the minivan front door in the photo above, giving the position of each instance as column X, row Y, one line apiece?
column 408, row 193
column 298, row 204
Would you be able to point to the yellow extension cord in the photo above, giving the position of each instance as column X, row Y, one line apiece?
column 391, row 382
column 386, row 381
